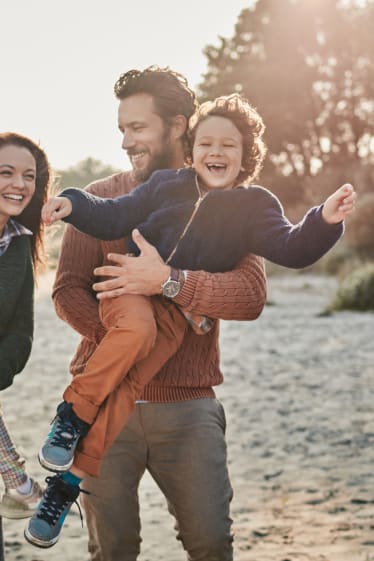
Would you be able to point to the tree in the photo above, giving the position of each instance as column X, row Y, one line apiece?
column 307, row 67
column 83, row 173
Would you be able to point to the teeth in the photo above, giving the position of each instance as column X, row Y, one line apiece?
column 136, row 157
column 216, row 166
column 14, row 197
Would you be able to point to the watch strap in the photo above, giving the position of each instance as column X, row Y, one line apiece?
column 174, row 274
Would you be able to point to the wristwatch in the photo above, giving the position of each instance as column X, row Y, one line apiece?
column 172, row 286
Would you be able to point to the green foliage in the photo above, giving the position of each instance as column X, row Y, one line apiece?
column 53, row 243
column 338, row 259
column 80, row 175
column 356, row 291
column 308, row 68
column 360, row 228
column 83, row 173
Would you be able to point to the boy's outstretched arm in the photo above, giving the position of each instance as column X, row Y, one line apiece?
column 339, row 205
column 56, row 208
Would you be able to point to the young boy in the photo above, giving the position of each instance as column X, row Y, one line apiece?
column 183, row 213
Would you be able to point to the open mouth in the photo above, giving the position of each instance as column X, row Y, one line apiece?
column 217, row 168
column 13, row 197
column 137, row 158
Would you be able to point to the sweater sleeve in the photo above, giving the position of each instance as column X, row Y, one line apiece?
column 273, row 236
column 239, row 294
column 16, row 338
column 110, row 218
column 74, row 300
column 15, row 349
column 11, row 281
column 79, row 255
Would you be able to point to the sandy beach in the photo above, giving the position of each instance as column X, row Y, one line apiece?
column 299, row 399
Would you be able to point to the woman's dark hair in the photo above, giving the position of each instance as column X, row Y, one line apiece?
column 31, row 216
column 169, row 90
column 248, row 122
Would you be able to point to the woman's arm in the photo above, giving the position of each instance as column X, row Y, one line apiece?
column 16, row 337
column 15, row 349
column 13, row 267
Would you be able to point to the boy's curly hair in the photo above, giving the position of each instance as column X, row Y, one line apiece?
column 248, row 122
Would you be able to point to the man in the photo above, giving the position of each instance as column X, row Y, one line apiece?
column 177, row 430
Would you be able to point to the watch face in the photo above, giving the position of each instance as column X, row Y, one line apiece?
column 171, row 288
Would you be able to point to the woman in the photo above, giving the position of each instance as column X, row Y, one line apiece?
column 24, row 186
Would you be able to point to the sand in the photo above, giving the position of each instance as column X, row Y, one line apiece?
column 299, row 399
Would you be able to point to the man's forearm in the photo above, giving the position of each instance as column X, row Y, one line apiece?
column 239, row 294
column 88, row 324
column 74, row 302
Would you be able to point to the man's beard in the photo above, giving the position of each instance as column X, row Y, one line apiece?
column 162, row 160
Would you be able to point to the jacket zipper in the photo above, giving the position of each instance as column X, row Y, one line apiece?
column 195, row 209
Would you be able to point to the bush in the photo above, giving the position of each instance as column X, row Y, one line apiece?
column 338, row 261
column 356, row 291
column 53, row 243
column 360, row 226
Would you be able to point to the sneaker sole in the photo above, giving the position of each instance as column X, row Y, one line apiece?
column 53, row 467
column 37, row 542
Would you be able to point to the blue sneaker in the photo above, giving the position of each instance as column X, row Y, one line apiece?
column 57, row 452
column 45, row 525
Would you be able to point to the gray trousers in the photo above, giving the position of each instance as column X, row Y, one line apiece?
column 183, row 447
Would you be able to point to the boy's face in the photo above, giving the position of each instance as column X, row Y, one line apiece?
column 145, row 137
column 217, row 152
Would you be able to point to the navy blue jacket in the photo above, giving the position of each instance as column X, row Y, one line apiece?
column 227, row 226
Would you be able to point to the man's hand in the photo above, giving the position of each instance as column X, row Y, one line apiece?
column 133, row 275
column 339, row 205
column 55, row 209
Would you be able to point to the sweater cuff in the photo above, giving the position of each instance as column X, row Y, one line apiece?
column 78, row 212
column 185, row 297
column 328, row 229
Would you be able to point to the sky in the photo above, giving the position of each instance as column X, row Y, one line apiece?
column 60, row 60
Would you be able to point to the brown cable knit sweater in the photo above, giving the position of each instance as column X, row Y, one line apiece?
column 239, row 295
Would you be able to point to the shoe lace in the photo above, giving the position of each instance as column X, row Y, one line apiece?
column 65, row 433
column 57, row 497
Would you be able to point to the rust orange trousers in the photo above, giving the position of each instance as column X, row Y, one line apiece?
column 142, row 334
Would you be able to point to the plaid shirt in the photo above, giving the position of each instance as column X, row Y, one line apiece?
column 12, row 229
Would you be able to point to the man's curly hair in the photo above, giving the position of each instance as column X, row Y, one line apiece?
column 169, row 90
column 248, row 122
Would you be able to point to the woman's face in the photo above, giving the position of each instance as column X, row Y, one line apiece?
column 17, row 180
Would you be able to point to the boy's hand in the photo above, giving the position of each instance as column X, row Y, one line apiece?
column 339, row 205
column 55, row 209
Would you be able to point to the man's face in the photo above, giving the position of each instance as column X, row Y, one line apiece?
column 145, row 137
